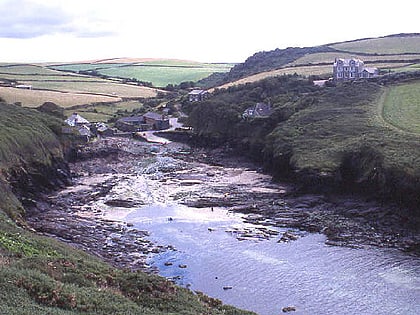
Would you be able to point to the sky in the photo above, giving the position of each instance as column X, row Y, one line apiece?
column 206, row 31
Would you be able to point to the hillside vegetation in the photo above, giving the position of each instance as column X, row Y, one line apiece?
column 402, row 107
column 324, row 138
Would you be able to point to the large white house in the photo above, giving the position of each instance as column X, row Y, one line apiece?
column 352, row 69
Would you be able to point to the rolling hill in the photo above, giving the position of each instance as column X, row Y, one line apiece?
column 153, row 72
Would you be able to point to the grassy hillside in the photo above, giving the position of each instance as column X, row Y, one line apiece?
column 393, row 53
column 39, row 275
column 159, row 72
column 402, row 107
column 323, row 137
column 26, row 138
column 388, row 45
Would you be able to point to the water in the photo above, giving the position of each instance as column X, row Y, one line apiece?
column 264, row 276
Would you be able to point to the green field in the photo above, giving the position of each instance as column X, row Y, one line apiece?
column 329, row 57
column 63, row 88
column 382, row 45
column 402, row 107
column 159, row 72
column 104, row 112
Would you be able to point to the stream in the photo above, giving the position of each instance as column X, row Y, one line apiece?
column 255, row 265
column 264, row 275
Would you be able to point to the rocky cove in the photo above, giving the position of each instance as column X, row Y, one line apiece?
column 118, row 180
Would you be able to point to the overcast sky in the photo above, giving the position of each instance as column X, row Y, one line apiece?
column 210, row 31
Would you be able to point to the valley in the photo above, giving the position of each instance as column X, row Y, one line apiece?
column 270, row 193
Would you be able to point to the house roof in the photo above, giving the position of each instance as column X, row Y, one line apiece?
column 370, row 70
column 346, row 61
column 76, row 119
column 197, row 92
column 132, row 119
column 84, row 131
column 154, row 116
column 258, row 110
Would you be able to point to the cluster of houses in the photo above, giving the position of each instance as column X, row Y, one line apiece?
column 80, row 126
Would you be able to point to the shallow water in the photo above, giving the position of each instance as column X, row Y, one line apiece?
column 264, row 276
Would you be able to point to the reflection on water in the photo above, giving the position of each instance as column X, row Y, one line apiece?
column 265, row 276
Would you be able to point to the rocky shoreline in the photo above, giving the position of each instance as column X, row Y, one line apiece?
column 74, row 215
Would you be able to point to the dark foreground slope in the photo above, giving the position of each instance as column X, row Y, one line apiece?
column 39, row 275
column 325, row 139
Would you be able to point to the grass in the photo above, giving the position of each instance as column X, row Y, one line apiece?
column 35, row 98
column 104, row 112
column 329, row 57
column 49, row 85
column 383, row 45
column 107, row 88
column 303, row 70
column 25, row 69
column 320, row 133
column 72, row 282
column 159, row 72
column 402, row 107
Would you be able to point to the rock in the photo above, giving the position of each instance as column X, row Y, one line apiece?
column 122, row 203
column 287, row 236
column 288, row 309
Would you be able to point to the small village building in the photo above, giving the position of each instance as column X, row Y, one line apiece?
column 352, row 69
column 258, row 110
column 79, row 126
column 148, row 121
column 131, row 124
column 84, row 131
column 76, row 120
column 158, row 121
column 197, row 95
column 103, row 130
column 369, row 73
column 24, row 86
column 133, row 120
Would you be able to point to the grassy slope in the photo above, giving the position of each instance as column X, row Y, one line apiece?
column 39, row 275
column 332, row 136
column 402, row 107
column 159, row 72
column 345, row 119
